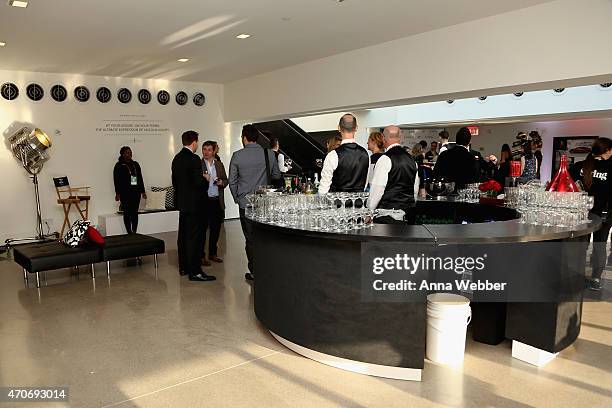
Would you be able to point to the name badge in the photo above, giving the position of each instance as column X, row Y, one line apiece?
column 133, row 180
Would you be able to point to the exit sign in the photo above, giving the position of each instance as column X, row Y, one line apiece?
column 473, row 130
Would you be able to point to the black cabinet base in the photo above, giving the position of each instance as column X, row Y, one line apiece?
column 488, row 322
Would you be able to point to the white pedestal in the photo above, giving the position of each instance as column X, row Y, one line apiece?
column 530, row 354
column 148, row 223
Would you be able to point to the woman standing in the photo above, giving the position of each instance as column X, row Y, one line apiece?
column 376, row 146
column 529, row 163
column 596, row 177
column 503, row 167
column 419, row 157
column 333, row 143
column 417, row 154
column 129, row 187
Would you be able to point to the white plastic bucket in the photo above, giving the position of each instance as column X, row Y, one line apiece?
column 447, row 318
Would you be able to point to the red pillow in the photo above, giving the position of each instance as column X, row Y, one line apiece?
column 93, row 235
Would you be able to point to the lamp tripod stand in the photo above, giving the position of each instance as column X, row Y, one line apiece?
column 28, row 146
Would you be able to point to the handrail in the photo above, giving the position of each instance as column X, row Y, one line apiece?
column 304, row 135
column 295, row 164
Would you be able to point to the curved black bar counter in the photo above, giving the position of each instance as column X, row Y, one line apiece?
column 308, row 291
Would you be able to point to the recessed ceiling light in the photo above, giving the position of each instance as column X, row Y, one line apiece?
column 18, row 3
column 2, row 44
column 243, row 36
column 183, row 59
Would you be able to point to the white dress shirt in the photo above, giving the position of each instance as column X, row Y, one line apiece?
column 330, row 164
column 380, row 178
column 281, row 163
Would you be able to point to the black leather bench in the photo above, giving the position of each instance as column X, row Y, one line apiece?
column 46, row 256
column 130, row 246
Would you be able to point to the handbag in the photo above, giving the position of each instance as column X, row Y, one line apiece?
column 275, row 182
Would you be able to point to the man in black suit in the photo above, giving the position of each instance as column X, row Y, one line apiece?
column 190, row 192
column 459, row 164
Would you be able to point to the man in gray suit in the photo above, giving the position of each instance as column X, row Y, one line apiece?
column 248, row 171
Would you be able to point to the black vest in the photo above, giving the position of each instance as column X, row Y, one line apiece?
column 351, row 174
column 399, row 191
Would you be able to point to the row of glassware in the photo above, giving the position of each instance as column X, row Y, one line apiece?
column 342, row 212
column 549, row 208
column 470, row 194
column 333, row 212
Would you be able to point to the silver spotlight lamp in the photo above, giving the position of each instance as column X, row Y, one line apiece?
column 29, row 146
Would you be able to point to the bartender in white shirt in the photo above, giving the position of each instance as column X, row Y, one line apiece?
column 345, row 168
column 280, row 158
column 395, row 183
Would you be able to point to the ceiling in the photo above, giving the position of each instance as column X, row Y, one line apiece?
column 601, row 114
column 144, row 38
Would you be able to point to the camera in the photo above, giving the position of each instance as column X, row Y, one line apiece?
column 522, row 139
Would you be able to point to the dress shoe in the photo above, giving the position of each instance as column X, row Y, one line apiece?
column 206, row 262
column 249, row 276
column 202, row 277
column 595, row 284
column 215, row 258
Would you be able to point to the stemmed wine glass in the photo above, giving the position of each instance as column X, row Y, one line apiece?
column 249, row 210
column 346, row 198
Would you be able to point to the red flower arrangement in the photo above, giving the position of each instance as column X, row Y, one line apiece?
column 491, row 187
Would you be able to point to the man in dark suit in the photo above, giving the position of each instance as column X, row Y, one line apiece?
column 459, row 164
column 190, row 191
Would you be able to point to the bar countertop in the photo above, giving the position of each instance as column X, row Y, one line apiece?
column 505, row 229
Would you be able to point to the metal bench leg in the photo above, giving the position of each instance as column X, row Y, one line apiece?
column 108, row 268
column 45, row 277
column 93, row 272
column 25, row 276
column 156, row 266
column 38, row 279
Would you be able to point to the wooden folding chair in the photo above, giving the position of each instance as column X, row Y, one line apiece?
column 68, row 196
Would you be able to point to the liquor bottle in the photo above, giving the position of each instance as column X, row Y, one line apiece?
column 288, row 184
column 562, row 181
column 309, row 187
column 296, row 185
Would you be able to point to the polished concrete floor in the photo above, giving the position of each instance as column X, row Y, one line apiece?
column 138, row 341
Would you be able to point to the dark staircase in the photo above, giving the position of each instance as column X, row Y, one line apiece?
column 295, row 143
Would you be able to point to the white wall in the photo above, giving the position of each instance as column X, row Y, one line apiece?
column 560, row 42
column 329, row 121
column 86, row 156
